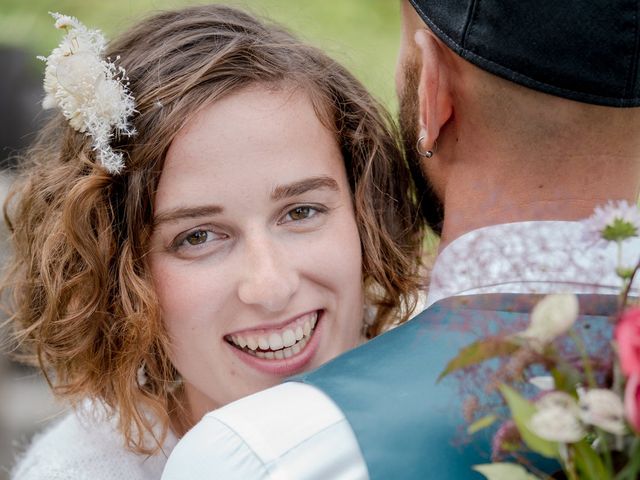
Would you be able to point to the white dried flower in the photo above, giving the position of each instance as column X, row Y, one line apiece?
column 551, row 317
column 90, row 91
column 603, row 409
column 615, row 221
column 557, row 419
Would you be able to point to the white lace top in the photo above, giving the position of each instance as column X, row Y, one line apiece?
column 88, row 447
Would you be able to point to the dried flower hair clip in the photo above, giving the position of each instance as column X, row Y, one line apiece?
column 91, row 92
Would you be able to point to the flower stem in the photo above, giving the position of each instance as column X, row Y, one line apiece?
column 570, row 463
column 584, row 356
column 602, row 437
column 629, row 282
column 618, row 388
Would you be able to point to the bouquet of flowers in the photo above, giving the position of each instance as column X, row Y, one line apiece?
column 586, row 412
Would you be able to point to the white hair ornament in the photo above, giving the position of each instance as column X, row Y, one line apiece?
column 91, row 92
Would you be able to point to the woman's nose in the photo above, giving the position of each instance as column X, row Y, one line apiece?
column 270, row 278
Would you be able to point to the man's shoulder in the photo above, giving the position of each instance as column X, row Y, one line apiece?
column 391, row 393
column 410, row 359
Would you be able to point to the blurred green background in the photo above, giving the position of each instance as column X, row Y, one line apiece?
column 363, row 34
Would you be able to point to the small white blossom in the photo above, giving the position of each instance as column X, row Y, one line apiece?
column 551, row 317
column 544, row 383
column 557, row 419
column 90, row 91
column 603, row 409
column 615, row 221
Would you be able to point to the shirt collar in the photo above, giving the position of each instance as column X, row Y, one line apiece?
column 528, row 257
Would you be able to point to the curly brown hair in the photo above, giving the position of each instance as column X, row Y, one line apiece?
column 82, row 300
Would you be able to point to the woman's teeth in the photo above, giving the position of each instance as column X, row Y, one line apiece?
column 278, row 345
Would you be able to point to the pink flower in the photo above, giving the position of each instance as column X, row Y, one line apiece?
column 632, row 401
column 627, row 336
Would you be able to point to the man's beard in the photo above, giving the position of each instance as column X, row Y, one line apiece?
column 431, row 206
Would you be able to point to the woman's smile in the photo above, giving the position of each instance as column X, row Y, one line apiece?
column 280, row 351
column 277, row 343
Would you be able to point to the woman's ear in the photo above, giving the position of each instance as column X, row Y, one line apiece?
column 434, row 87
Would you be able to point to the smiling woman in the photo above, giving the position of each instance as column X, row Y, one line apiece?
column 254, row 198
column 260, row 222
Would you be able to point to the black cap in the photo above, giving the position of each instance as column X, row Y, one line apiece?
column 584, row 50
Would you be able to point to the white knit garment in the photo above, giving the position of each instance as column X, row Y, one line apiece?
column 86, row 445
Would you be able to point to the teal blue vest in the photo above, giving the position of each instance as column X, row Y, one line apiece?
column 408, row 425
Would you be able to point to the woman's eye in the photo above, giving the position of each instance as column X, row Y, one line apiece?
column 197, row 238
column 301, row 213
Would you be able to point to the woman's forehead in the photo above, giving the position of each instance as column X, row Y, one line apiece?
column 255, row 138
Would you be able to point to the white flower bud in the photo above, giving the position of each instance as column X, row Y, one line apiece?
column 551, row 317
column 557, row 419
column 603, row 409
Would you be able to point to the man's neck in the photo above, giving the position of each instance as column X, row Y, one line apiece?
column 485, row 199
column 460, row 221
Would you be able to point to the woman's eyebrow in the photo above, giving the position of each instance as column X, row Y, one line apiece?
column 180, row 213
column 303, row 186
column 278, row 193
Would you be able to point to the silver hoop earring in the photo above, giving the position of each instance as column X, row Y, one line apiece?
column 422, row 153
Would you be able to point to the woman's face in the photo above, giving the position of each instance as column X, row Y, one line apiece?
column 255, row 252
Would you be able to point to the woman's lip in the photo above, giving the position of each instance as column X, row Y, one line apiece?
column 275, row 339
column 271, row 327
column 286, row 366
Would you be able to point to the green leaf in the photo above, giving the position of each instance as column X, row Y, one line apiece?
column 522, row 410
column 480, row 351
column 589, row 462
column 481, row 424
column 504, row 471
column 619, row 230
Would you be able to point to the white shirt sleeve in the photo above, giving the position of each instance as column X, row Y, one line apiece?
column 289, row 432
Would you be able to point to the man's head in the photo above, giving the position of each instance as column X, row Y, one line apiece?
column 517, row 102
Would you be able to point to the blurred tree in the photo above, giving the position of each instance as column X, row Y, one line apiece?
column 363, row 34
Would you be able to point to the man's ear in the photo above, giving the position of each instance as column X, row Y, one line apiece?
column 434, row 88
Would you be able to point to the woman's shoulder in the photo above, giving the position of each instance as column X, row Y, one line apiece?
column 86, row 446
